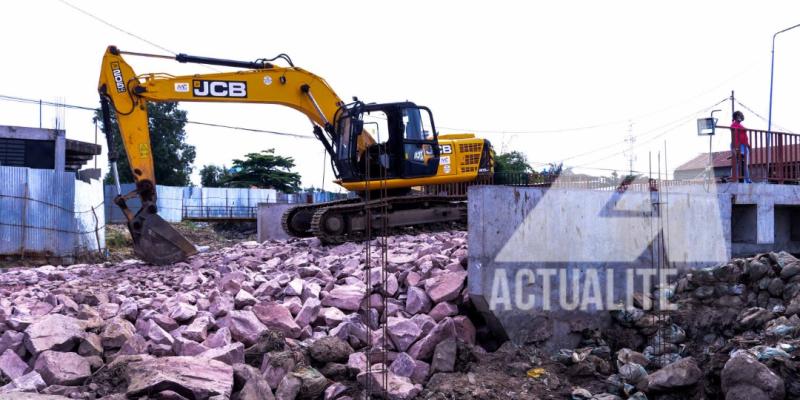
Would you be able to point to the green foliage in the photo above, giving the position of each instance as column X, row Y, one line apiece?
column 264, row 170
column 513, row 169
column 172, row 157
column 213, row 175
column 514, row 161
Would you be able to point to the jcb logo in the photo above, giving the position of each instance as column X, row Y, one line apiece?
column 445, row 149
column 219, row 88
column 118, row 81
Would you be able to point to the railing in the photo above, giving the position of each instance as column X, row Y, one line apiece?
column 775, row 157
column 563, row 181
column 221, row 213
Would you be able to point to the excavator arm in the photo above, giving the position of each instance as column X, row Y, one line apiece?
column 126, row 94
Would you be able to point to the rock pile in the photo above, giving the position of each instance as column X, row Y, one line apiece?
column 255, row 321
column 734, row 334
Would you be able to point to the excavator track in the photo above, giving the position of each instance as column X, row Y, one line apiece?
column 342, row 223
column 296, row 220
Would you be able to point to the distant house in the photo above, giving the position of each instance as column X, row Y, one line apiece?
column 694, row 168
column 785, row 162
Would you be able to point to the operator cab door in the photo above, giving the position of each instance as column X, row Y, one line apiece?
column 402, row 142
column 420, row 144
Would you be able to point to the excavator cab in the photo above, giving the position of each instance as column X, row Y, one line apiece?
column 405, row 142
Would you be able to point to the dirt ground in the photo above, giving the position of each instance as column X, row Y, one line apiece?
column 120, row 247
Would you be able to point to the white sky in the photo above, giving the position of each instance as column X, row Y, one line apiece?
column 486, row 67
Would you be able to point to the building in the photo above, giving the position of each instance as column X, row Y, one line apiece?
column 46, row 149
column 49, row 206
column 784, row 164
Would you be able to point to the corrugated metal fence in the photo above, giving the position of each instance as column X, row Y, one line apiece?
column 169, row 203
column 44, row 212
column 175, row 203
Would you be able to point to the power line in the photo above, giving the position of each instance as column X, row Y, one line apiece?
column 619, row 121
column 762, row 117
column 110, row 25
column 669, row 128
column 210, row 124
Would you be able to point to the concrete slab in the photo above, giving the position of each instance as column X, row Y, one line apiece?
column 269, row 221
column 545, row 264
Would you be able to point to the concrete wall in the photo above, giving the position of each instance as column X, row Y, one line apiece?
column 554, row 244
column 269, row 221
column 536, row 253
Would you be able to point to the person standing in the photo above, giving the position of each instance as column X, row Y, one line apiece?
column 741, row 146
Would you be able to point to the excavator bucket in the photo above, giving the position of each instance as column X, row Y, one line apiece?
column 157, row 242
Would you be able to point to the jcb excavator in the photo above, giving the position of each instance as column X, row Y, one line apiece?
column 390, row 154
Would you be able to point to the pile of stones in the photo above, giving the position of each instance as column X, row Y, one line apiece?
column 734, row 333
column 284, row 320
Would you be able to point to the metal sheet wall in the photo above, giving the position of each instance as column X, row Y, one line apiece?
column 89, row 215
column 38, row 213
column 169, row 202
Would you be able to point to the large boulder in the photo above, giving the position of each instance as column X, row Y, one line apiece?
column 345, row 297
column 116, row 332
column 53, row 332
column 423, row 348
column 245, row 327
column 277, row 317
column 681, row 373
column 11, row 365
column 743, row 373
column 396, row 387
column 196, row 377
column 57, row 368
column 253, row 385
column 445, row 287
column 330, row 349
column 403, row 332
column 312, row 383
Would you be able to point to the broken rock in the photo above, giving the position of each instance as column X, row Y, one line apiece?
column 116, row 333
column 330, row 349
column 276, row 316
column 403, row 332
column 344, row 297
column 743, row 372
column 11, row 365
column 57, row 368
column 445, row 287
column 245, row 327
column 198, row 377
column 53, row 332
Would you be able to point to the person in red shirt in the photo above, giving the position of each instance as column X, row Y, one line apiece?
column 741, row 145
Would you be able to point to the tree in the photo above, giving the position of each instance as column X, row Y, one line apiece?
column 213, row 175
column 172, row 156
column 264, row 170
column 514, row 161
column 513, row 169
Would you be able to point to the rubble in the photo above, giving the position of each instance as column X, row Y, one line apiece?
column 289, row 320
column 281, row 320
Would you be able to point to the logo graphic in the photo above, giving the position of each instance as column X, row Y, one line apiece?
column 204, row 88
column 446, row 149
column 182, row 87
column 118, row 81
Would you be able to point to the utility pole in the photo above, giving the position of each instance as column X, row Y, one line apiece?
column 630, row 139
column 771, row 80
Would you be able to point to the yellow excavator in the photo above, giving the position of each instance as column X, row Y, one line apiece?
column 390, row 154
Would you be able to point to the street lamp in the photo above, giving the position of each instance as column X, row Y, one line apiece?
column 771, row 79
